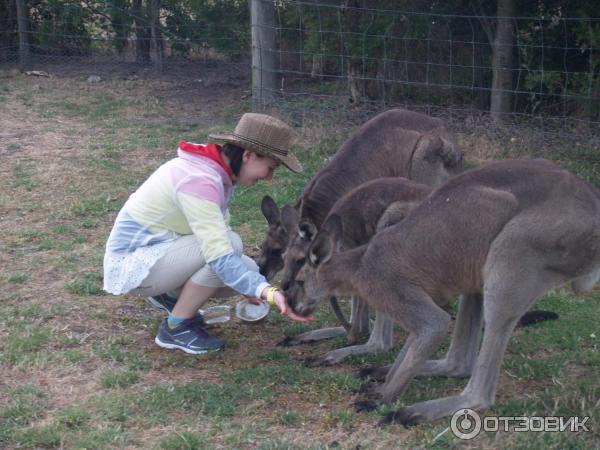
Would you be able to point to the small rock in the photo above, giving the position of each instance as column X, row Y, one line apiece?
column 37, row 73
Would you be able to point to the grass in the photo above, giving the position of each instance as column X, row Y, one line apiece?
column 79, row 368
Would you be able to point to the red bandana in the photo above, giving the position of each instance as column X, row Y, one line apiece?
column 210, row 151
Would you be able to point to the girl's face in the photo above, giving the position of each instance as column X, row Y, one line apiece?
column 256, row 167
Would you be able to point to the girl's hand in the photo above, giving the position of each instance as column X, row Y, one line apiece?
column 286, row 310
column 253, row 300
column 281, row 302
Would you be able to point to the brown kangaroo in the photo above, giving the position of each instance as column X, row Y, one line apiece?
column 509, row 231
column 395, row 143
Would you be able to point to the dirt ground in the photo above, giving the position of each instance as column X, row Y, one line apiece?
column 44, row 175
column 42, row 165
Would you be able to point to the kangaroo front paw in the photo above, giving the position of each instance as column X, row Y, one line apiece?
column 403, row 416
column 315, row 362
column 374, row 373
column 319, row 361
column 365, row 405
column 287, row 341
column 367, row 388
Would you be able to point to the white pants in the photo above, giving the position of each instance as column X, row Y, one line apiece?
column 184, row 260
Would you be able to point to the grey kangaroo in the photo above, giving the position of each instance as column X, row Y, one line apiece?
column 509, row 231
column 363, row 211
column 375, row 204
column 395, row 143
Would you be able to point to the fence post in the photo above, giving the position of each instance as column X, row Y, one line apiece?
column 23, row 25
column 156, row 34
column 503, row 53
column 264, row 64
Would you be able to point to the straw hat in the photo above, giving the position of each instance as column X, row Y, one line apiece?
column 265, row 135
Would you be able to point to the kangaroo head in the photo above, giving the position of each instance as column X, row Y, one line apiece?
column 295, row 256
column 282, row 226
column 309, row 288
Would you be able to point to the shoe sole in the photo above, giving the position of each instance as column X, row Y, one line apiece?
column 185, row 349
column 151, row 302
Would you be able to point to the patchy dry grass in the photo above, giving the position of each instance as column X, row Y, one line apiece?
column 78, row 369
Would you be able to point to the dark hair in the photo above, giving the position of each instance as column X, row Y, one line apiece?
column 235, row 154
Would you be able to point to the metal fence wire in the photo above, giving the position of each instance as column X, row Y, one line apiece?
column 535, row 75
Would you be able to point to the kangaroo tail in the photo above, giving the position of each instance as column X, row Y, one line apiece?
column 536, row 315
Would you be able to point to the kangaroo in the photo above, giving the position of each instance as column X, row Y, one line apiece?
column 506, row 233
column 395, row 143
column 376, row 203
column 365, row 210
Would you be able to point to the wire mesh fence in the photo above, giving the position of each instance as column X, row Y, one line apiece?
column 354, row 58
column 534, row 74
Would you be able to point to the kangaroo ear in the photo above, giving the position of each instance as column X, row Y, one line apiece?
column 333, row 226
column 396, row 212
column 320, row 249
column 307, row 230
column 428, row 148
column 289, row 219
column 450, row 153
column 270, row 210
column 434, row 159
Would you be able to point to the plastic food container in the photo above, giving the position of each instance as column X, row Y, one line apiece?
column 250, row 313
column 216, row 314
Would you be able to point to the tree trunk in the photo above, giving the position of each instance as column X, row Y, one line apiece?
column 503, row 61
column 356, row 84
column 157, row 40
column 23, row 25
column 142, row 34
column 264, row 62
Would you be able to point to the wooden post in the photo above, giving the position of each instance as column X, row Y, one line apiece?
column 264, row 62
column 503, row 53
column 23, row 25
column 156, row 34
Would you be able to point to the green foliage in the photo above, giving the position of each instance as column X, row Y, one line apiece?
column 121, row 21
column 89, row 283
column 559, row 68
column 223, row 25
column 18, row 278
column 183, row 440
column 22, row 345
column 61, row 25
column 212, row 400
column 118, row 378
column 22, row 175
column 24, row 405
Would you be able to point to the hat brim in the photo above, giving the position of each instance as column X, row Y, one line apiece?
column 289, row 160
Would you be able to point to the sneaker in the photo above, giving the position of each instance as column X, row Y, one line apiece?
column 189, row 337
column 162, row 301
column 166, row 303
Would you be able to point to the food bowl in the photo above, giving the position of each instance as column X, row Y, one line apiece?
column 250, row 313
